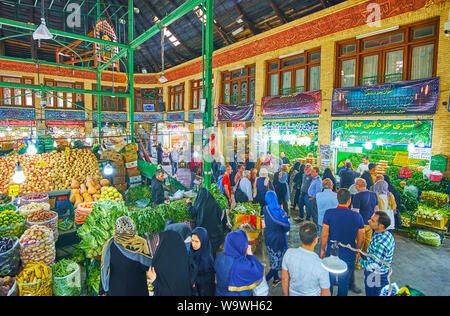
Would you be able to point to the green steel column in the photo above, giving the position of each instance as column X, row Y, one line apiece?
column 99, row 88
column 131, row 67
column 209, row 48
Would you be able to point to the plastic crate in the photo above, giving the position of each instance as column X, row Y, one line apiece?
column 432, row 223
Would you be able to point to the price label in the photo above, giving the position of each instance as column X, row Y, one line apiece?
column 14, row 190
column 41, row 163
column 67, row 151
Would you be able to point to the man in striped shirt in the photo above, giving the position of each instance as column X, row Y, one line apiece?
column 382, row 246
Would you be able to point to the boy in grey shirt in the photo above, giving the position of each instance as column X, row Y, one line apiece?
column 302, row 273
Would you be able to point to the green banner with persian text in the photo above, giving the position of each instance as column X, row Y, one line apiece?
column 387, row 132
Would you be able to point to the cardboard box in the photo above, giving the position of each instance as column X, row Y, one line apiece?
column 130, row 148
column 119, row 180
column 133, row 172
column 131, row 165
column 121, row 187
column 137, row 179
column 118, row 163
column 111, row 155
column 129, row 157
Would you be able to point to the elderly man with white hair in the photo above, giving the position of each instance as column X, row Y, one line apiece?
column 245, row 186
column 325, row 201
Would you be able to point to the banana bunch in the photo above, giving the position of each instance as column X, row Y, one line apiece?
column 35, row 280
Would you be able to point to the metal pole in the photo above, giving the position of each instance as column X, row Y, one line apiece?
column 209, row 48
column 131, row 67
column 99, row 87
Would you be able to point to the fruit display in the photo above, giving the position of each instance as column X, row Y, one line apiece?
column 6, row 207
column 11, row 224
column 6, row 284
column 28, row 209
column 37, row 171
column 9, row 256
column 7, row 167
column 35, row 280
column 110, row 193
column 435, row 199
column 89, row 192
column 37, row 244
column 44, row 218
column 405, row 173
column 4, row 199
column 77, row 164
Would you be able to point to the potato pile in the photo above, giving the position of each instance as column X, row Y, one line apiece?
column 78, row 164
column 89, row 192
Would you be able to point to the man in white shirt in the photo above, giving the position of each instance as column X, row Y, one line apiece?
column 174, row 157
column 364, row 166
column 302, row 273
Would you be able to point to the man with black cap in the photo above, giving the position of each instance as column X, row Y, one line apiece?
column 369, row 176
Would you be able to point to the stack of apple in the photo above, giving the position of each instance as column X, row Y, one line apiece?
column 110, row 193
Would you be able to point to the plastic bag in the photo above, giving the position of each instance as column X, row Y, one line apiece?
column 42, row 287
column 429, row 238
column 15, row 230
column 10, row 261
column 33, row 197
column 413, row 190
column 52, row 224
column 27, row 209
column 69, row 285
column 14, row 290
column 43, row 251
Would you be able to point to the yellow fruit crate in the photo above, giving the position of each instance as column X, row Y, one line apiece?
column 432, row 223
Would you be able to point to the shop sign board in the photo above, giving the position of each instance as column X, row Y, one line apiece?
column 18, row 114
column 195, row 116
column 405, row 97
column 236, row 113
column 120, row 117
column 389, row 132
column 303, row 103
column 148, row 117
column 17, row 122
column 420, row 153
column 175, row 117
column 65, row 123
column 239, row 129
column 65, row 115
column 302, row 128
column 149, row 107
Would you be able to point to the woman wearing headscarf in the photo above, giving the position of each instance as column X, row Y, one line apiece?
column 263, row 184
column 201, row 253
column 184, row 230
column 328, row 174
column 238, row 272
column 282, row 190
column 209, row 215
column 291, row 177
column 171, row 272
column 277, row 225
column 125, row 261
column 386, row 201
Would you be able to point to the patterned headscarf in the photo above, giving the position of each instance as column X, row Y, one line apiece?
column 381, row 187
column 124, row 229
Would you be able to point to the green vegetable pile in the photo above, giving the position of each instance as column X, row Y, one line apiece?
column 429, row 238
column 93, row 279
column 137, row 193
column 293, row 151
column 11, row 224
column 7, row 207
column 65, row 281
column 408, row 203
column 178, row 211
column 220, row 198
column 99, row 226
column 245, row 208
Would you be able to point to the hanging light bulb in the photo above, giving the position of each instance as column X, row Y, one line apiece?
column 31, row 150
column 19, row 177
column 411, row 147
column 69, row 140
column 379, row 142
column 337, row 141
column 55, row 144
column 9, row 129
column 352, row 140
column 2, row 134
column 108, row 170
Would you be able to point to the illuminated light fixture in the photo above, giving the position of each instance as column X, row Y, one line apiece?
column 69, row 140
column 411, row 147
column 390, row 29
column 19, row 177
column 332, row 263
column 55, row 144
column 368, row 145
column 31, row 150
column 352, row 140
column 2, row 134
column 8, row 128
column 379, row 142
column 239, row 30
column 42, row 32
column 337, row 141
column 163, row 79
column 24, row 134
column 108, row 170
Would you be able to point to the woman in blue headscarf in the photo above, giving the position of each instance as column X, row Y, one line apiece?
column 201, row 253
column 277, row 225
column 238, row 272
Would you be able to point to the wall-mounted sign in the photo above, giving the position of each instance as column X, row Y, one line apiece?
column 148, row 107
column 420, row 153
column 303, row 103
column 388, row 132
column 105, row 31
column 195, row 116
column 404, row 97
column 108, row 116
column 17, row 122
column 236, row 113
column 175, row 117
column 65, row 115
column 65, row 123
column 18, row 114
column 239, row 128
column 301, row 128
column 151, row 117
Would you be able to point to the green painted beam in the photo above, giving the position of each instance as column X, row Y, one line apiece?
column 61, row 33
column 131, row 66
column 61, row 89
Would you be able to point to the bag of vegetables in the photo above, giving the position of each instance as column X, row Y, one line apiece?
column 35, row 280
column 44, row 218
column 9, row 256
column 37, row 244
column 429, row 238
column 66, row 278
